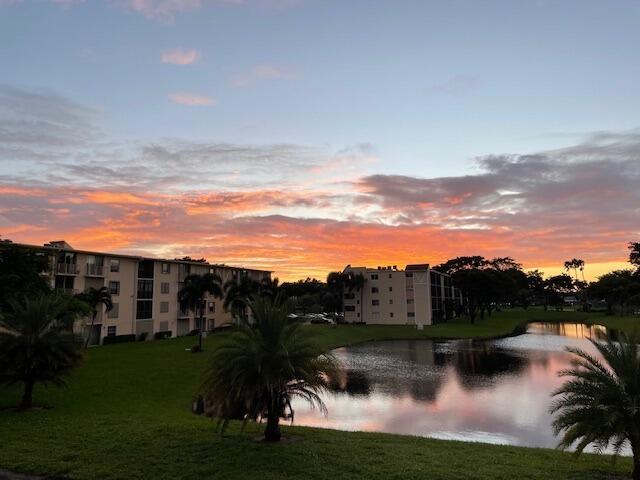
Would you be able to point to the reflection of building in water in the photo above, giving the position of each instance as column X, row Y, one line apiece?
column 417, row 296
column 479, row 364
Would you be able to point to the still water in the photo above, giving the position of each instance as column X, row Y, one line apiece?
column 494, row 391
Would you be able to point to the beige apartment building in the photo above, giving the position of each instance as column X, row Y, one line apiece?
column 144, row 290
column 417, row 295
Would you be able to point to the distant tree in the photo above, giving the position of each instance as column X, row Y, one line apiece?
column 258, row 369
column 556, row 288
column 535, row 286
column 37, row 343
column 634, row 255
column 598, row 404
column 191, row 295
column 474, row 284
column 237, row 294
column 462, row 263
column 618, row 289
column 96, row 299
column 21, row 273
column 505, row 263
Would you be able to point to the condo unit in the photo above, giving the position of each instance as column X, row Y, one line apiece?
column 144, row 290
column 417, row 295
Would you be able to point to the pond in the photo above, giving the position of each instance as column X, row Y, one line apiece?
column 495, row 391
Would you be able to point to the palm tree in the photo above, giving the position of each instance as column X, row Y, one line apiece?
column 600, row 403
column 191, row 295
column 237, row 294
column 256, row 371
column 268, row 287
column 37, row 344
column 357, row 282
column 336, row 284
column 95, row 298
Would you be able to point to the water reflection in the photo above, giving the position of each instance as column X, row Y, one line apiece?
column 493, row 391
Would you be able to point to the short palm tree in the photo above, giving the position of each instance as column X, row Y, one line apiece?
column 600, row 404
column 191, row 295
column 237, row 294
column 95, row 298
column 256, row 371
column 38, row 344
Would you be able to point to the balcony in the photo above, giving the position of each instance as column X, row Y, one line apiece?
column 67, row 291
column 66, row 269
column 95, row 270
column 184, row 314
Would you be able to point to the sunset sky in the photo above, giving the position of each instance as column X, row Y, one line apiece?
column 303, row 135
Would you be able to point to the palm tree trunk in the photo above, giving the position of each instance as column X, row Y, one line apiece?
column 27, row 396
column 272, row 432
column 93, row 320
column 636, row 462
column 201, row 325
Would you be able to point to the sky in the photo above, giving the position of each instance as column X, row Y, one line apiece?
column 300, row 136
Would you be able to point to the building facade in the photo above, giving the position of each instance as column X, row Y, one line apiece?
column 144, row 290
column 417, row 295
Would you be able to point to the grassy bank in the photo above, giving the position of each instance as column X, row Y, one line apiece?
column 125, row 414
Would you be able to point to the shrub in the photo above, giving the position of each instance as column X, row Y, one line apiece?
column 118, row 339
column 162, row 335
column 196, row 349
column 142, row 336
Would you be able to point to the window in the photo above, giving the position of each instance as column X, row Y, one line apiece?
column 390, row 276
column 145, row 269
column 391, row 314
column 409, row 301
column 164, row 307
column 391, row 289
column 211, row 307
column 144, row 309
column 374, row 289
column 408, row 275
column 349, row 308
column 375, row 302
column 111, row 331
column 114, row 312
column 145, row 289
column 374, row 276
column 166, row 267
column 164, row 326
column 164, row 287
column 114, row 265
column 114, row 287
column 391, row 301
column 411, row 314
column 349, row 296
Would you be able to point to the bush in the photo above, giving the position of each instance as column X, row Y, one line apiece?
column 193, row 333
column 118, row 339
column 142, row 336
column 196, row 349
column 163, row 335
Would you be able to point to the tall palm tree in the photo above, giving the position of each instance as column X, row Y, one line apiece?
column 256, row 371
column 237, row 294
column 600, row 403
column 336, row 284
column 191, row 295
column 95, row 298
column 357, row 282
column 37, row 343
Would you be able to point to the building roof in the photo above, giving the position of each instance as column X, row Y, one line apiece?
column 61, row 245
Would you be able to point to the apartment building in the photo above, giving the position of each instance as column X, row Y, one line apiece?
column 144, row 290
column 417, row 295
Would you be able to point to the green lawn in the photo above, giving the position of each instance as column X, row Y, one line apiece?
column 125, row 414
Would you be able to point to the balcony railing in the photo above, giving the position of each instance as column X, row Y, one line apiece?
column 67, row 291
column 95, row 270
column 67, row 268
column 184, row 314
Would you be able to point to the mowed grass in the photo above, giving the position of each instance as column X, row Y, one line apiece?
column 126, row 414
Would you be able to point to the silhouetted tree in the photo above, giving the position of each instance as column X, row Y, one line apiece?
column 96, row 299
column 191, row 296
